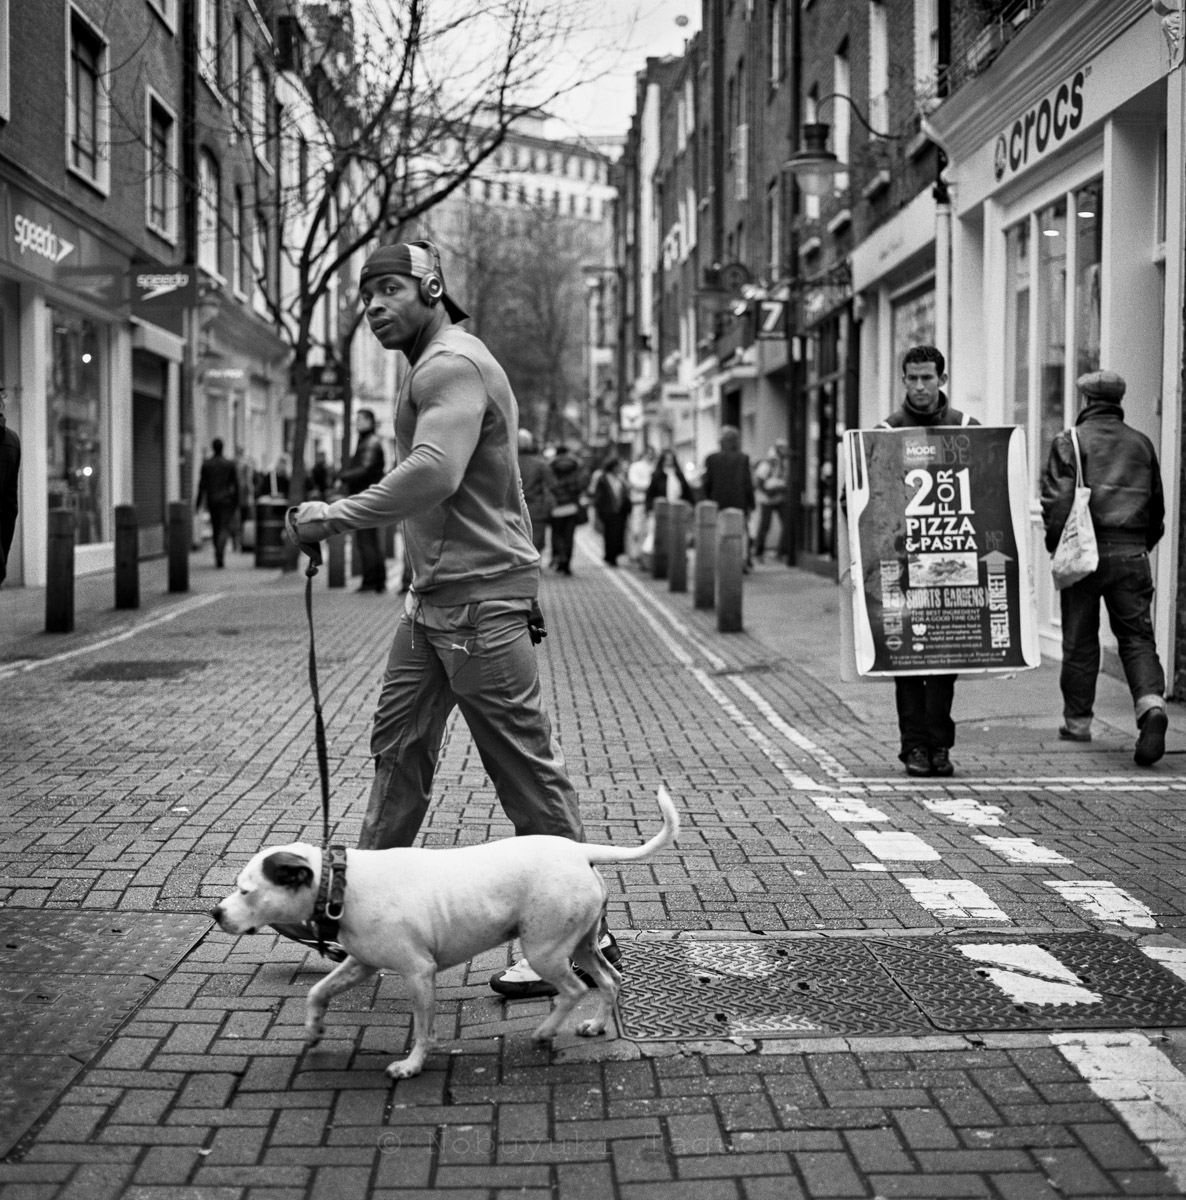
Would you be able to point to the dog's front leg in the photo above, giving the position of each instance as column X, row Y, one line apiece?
column 422, row 982
column 344, row 976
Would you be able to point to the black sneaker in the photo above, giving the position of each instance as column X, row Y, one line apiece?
column 918, row 763
column 1151, row 743
column 520, row 982
column 941, row 763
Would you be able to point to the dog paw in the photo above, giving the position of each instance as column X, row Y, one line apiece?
column 313, row 1035
column 591, row 1028
column 404, row 1068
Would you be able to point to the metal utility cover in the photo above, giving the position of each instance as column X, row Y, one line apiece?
column 68, row 981
column 784, row 987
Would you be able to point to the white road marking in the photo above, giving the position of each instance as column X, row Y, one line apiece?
column 186, row 606
column 829, row 764
column 1104, row 899
column 1141, row 1084
column 1173, row 958
column 848, row 808
column 896, row 845
column 966, row 811
column 1020, row 850
column 956, row 898
column 1046, row 980
column 869, row 867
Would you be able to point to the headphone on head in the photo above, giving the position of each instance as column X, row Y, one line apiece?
column 432, row 285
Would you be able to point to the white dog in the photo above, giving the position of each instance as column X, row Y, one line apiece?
column 417, row 912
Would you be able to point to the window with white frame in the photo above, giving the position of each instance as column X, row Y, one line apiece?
column 774, row 229
column 237, row 243
column 260, row 262
column 878, row 66
column 210, row 39
column 5, row 64
column 778, row 43
column 841, row 117
column 235, row 68
column 209, row 209
column 926, row 45
column 162, row 169
column 87, row 108
column 257, row 106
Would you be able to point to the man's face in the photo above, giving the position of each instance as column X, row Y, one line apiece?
column 923, row 382
column 394, row 310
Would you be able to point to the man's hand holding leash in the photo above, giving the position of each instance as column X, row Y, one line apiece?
column 307, row 526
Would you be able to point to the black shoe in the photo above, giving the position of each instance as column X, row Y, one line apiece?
column 520, row 982
column 1151, row 743
column 941, row 763
column 302, row 934
column 918, row 763
column 1070, row 735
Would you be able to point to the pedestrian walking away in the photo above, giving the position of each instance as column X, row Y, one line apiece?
column 1119, row 465
column 728, row 479
column 366, row 467
column 218, row 486
column 771, row 478
column 924, row 702
column 10, row 469
column 638, row 479
column 537, row 492
column 564, row 482
column 611, row 501
column 469, row 622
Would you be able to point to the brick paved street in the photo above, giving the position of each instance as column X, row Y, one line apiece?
column 152, row 1056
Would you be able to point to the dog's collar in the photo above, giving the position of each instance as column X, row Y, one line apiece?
column 331, row 894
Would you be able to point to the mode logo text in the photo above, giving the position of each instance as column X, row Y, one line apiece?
column 1043, row 127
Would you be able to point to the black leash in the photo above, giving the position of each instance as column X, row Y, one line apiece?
column 332, row 886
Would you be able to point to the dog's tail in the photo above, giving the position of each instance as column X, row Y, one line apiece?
column 664, row 838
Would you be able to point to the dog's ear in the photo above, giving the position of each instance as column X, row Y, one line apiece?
column 287, row 870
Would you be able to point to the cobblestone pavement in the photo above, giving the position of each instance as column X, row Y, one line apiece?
column 840, row 983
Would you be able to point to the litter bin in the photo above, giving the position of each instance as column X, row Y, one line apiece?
column 269, row 531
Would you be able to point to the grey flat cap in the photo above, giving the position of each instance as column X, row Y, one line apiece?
column 1102, row 385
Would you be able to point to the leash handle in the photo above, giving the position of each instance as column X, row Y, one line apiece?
column 312, row 549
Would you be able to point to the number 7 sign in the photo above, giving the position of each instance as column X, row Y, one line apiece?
column 772, row 319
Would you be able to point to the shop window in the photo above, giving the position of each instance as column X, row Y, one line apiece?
column 1052, row 323
column 75, row 423
column 912, row 317
column 1017, row 321
column 1089, row 238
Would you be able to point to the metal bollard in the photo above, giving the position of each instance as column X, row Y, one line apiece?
column 59, row 583
column 337, row 560
column 677, row 548
column 127, row 557
column 730, row 562
column 704, row 584
column 661, row 548
column 180, row 523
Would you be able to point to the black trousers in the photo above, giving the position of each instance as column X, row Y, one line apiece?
column 924, row 712
column 374, row 570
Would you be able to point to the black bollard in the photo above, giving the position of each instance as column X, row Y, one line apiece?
column 679, row 517
column 730, row 563
column 180, row 524
column 127, row 557
column 59, row 583
column 704, row 585
column 661, row 548
column 337, row 560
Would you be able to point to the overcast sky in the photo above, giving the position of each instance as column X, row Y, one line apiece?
column 621, row 35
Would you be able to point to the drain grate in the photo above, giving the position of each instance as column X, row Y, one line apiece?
column 68, row 981
column 137, row 670
column 696, row 989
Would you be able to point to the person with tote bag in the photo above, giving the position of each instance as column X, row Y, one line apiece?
column 1109, row 468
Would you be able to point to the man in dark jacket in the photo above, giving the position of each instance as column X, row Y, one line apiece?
column 218, row 485
column 366, row 467
column 1128, row 513
column 728, row 479
column 533, row 474
column 567, row 486
column 10, row 467
column 924, row 702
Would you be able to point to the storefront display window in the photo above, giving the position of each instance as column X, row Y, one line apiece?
column 1017, row 320
column 1052, row 321
column 1089, row 234
column 913, row 325
column 76, row 422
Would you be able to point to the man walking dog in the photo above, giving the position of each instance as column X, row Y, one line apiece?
column 469, row 621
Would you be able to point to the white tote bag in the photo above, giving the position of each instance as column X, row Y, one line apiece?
column 1077, row 554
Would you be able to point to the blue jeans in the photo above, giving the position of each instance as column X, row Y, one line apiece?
column 1124, row 581
column 479, row 658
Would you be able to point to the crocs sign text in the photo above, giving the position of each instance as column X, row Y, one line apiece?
column 1042, row 128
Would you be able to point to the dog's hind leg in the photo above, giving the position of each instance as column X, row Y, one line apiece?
column 589, row 958
column 553, row 965
column 422, row 982
column 344, row 976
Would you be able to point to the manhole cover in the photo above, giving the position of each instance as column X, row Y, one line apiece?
column 135, row 670
column 696, row 989
column 68, row 981
column 706, row 989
